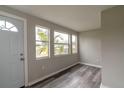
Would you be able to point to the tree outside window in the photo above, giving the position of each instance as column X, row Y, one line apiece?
column 61, row 42
column 42, row 42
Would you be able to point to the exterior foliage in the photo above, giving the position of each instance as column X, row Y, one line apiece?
column 61, row 43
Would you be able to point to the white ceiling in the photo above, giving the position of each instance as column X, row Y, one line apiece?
column 76, row 17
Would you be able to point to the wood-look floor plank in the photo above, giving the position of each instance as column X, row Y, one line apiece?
column 79, row 76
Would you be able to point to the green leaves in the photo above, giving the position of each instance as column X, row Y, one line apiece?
column 43, row 49
column 42, row 36
column 42, row 43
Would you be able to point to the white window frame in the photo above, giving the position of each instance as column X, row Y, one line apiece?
column 44, row 57
column 75, row 44
column 62, row 43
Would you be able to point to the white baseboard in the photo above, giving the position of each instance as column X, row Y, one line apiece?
column 103, row 86
column 91, row 65
column 41, row 79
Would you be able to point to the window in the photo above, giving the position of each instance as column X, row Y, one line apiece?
column 7, row 26
column 74, row 44
column 42, row 42
column 61, row 43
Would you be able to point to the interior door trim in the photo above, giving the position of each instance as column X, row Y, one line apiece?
column 2, row 13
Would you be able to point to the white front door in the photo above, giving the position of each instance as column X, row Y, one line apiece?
column 11, row 52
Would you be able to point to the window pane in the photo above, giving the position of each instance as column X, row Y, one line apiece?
column 42, row 34
column 60, row 37
column 14, row 29
column 2, row 23
column 74, row 44
column 74, row 49
column 60, row 49
column 41, row 49
column 9, row 25
column 4, row 29
column 73, row 39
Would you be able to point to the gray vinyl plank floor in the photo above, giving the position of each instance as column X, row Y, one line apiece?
column 79, row 76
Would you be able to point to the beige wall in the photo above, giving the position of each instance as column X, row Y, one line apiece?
column 113, row 47
column 106, row 46
column 40, row 68
column 90, row 47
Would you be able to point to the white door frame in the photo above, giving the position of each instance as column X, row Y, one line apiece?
column 25, row 43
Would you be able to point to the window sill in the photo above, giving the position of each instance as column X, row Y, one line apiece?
column 42, row 58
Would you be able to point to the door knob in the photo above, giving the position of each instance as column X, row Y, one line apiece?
column 22, row 59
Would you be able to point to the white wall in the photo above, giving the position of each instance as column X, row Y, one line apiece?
column 113, row 47
column 38, row 69
column 90, row 47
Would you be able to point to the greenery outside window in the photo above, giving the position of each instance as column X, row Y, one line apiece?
column 42, row 42
column 61, row 43
column 74, row 44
